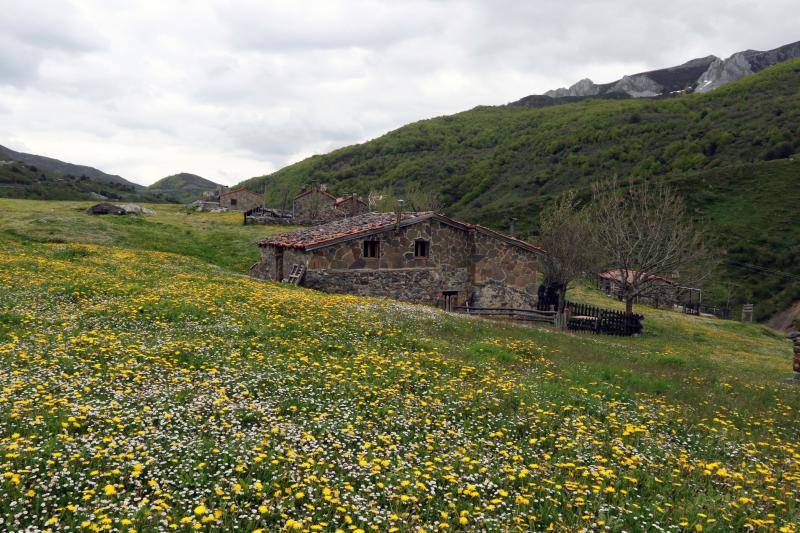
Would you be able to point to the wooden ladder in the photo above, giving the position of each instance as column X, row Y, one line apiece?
column 297, row 274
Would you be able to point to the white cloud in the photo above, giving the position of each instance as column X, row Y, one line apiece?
column 229, row 89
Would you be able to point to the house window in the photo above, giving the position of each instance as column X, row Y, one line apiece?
column 421, row 249
column 372, row 248
column 233, row 201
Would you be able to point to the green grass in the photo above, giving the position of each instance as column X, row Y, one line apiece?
column 162, row 389
column 217, row 238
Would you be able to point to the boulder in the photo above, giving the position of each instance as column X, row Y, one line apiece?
column 134, row 209
column 104, row 208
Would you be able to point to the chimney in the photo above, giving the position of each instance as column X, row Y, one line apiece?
column 353, row 200
column 512, row 227
column 313, row 185
column 399, row 213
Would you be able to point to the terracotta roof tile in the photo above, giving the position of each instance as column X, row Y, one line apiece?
column 336, row 230
column 372, row 223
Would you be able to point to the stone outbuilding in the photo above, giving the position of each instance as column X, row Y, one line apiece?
column 660, row 292
column 418, row 257
column 240, row 199
column 315, row 205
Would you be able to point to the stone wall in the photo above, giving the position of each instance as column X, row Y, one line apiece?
column 245, row 200
column 349, row 207
column 795, row 337
column 316, row 207
column 449, row 249
column 270, row 220
column 417, row 285
column 504, row 275
column 266, row 268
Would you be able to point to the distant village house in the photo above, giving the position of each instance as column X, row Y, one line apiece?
column 660, row 292
column 240, row 199
column 315, row 205
column 418, row 257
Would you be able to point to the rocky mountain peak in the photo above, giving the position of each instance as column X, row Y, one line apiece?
column 697, row 75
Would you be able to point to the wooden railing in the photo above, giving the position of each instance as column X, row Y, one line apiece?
column 578, row 317
column 528, row 315
column 585, row 317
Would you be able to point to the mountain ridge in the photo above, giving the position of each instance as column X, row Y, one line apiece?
column 696, row 75
column 56, row 165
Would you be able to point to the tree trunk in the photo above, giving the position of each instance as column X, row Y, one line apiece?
column 562, row 298
column 628, row 304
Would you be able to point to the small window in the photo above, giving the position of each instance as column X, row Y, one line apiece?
column 233, row 201
column 371, row 248
column 421, row 248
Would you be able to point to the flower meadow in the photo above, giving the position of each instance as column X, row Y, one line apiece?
column 146, row 391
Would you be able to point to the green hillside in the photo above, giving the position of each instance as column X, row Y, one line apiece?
column 216, row 238
column 182, row 187
column 147, row 389
column 22, row 180
column 55, row 166
column 493, row 163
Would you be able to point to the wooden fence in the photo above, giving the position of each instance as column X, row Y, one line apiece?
column 579, row 317
column 584, row 317
column 527, row 315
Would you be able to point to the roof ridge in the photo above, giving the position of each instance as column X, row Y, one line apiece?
column 374, row 222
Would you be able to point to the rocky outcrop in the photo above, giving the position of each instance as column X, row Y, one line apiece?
column 638, row 86
column 725, row 71
column 698, row 75
column 585, row 87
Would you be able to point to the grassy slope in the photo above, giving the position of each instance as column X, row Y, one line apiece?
column 492, row 163
column 19, row 180
column 218, row 238
column 751, row 209
column 246, row 402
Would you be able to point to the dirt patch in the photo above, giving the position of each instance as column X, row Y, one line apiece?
column 787, row 319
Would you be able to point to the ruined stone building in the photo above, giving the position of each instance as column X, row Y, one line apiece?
column 315, row 205
column 240, row 199
column 418, row 257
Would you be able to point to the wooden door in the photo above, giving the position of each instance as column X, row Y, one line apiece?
column 279, row 265
column 450, row 300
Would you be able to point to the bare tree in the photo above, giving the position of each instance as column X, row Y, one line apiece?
column 419, row 199
column 646, row 233
column 566, row 234
column 414, row 197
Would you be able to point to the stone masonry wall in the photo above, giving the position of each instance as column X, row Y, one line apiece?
column 795, row 337
column 449, row 249
column 315, row 207
column 396, row 273
column 416, row 285
column 349, row 207
column 245, row 200
column 503, row 275
column 266, row 267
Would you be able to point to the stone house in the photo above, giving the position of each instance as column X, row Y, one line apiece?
column 315, row 205
column 240, row 199
column 659, row 292
column 418, row 257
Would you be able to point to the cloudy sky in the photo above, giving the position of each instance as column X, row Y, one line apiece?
column 233, row 89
